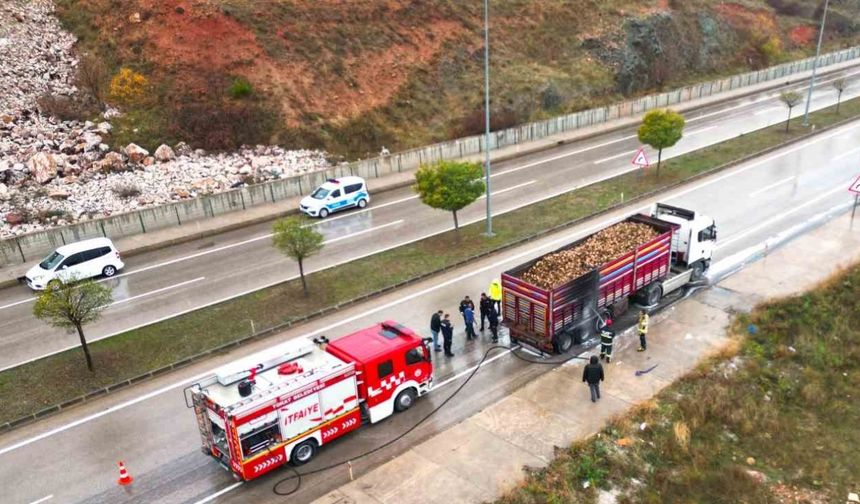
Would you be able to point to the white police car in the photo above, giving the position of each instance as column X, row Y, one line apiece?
column 335, row 195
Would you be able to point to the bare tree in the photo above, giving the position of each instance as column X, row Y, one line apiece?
column 791, row 99
column 71, row 305
column 839, row 85
column 93, row 78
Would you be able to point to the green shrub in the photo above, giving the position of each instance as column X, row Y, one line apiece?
column 240, row 88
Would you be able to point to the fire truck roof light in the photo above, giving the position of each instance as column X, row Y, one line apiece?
column 266, row 359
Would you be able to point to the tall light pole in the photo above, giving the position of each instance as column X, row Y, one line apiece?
column 815, row 64
column 489, row 231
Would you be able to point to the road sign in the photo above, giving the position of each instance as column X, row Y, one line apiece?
column 641, row 159
column 855, row 186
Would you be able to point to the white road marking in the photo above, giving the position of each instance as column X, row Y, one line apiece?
column 847, row 153
column 561, row 156
column 700, row 130
column 469, row 370
column 220, row 493
column 469, row 273
column 16, row 303
column 508, row 189
column 610, row 158
column 43, row 499
column 771, row 186
column 365, row 231
column 770, row 110
column 783, row 215
column 150, row 293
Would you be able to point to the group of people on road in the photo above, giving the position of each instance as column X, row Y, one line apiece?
column 592, row 374
column 489, row 307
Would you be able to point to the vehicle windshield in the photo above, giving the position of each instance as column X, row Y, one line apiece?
column 320, row 193
column 51, row 261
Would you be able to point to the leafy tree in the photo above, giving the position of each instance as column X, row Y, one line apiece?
column 71, row 305
column 791, row 99
column 839, row 85
column 92, row 77
column 128, row 86
column 449, row 185
column 661, row 129
column 297, row 242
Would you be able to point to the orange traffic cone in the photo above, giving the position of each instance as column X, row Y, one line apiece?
column 124, row 477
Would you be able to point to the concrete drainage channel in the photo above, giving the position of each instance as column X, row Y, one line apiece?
column 718, row 271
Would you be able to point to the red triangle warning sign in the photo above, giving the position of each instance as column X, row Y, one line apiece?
column 641, row 159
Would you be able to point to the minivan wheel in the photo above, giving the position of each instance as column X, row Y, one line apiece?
column 362, row 203
column 323, row 213
column 109, row 271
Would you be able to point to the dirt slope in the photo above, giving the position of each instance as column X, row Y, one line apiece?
column 351, row 76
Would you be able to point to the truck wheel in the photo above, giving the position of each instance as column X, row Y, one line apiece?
column 563, row 342
column 304, row 452
column 404, row 400
column 653, row 294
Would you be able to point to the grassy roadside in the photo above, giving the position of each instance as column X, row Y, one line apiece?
column 772, row 420
column 61, row 377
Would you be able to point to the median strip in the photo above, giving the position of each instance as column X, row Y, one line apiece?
column 129, row 357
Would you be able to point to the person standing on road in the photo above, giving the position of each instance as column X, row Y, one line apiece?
column 447, row 334
column 435, row 327
column 607, row 337
column 593, row 375
column 486, row 306
column 469, row 318
column 466, row 302
column 494, row 324
column 643, row 330
column 496, row 295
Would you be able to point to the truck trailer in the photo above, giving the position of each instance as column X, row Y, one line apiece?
column 554, row 319
column 284, row 403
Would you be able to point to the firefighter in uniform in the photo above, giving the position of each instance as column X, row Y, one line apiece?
column 607, row 335
column 643, row 330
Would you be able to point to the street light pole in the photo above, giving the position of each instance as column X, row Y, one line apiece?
column 815, row 64
column 489, row 231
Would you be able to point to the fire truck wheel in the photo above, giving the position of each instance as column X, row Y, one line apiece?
column 304, row 452
column 404, row 400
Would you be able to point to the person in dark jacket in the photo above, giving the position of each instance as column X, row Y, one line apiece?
column 435, row 327
column 466, row 303
column 447, row 334
column 494, row 324
column 486, row 307
column 593, row 375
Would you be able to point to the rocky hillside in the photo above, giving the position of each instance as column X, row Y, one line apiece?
column 350, row 76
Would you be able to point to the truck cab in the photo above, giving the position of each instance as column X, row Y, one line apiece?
column 694, row 238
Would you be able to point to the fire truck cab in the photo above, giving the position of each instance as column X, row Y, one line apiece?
column 282, row 404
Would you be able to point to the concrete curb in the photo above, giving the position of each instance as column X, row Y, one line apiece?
column 621, row 124
column 8, row 426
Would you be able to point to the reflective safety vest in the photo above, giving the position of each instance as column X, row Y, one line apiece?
column 495, row 291
column 643, row 324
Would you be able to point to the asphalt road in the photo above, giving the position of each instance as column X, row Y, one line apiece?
column 177, row 279
column 72, row 456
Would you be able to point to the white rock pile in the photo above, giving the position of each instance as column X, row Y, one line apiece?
column 56, row 172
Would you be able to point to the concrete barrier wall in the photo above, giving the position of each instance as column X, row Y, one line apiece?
column 35, row 245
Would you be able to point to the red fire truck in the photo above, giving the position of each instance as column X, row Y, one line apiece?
column 282, row 404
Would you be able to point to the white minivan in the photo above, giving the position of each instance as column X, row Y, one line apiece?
column 84, row 259
column 335, row 195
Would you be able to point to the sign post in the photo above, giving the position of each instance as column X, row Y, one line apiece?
column 855, row 188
